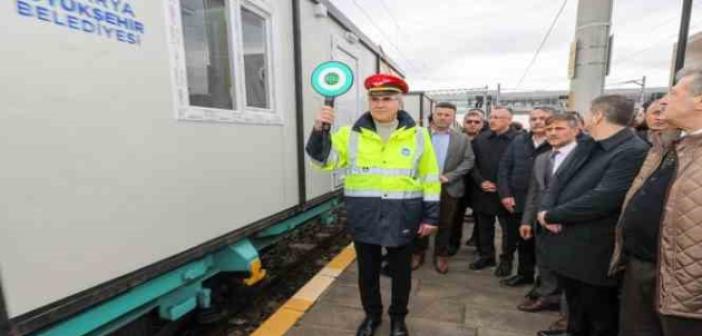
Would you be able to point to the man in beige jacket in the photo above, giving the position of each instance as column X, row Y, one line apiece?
column 659, row 234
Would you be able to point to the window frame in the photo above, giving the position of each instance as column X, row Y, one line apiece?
column 261, row 9
column 241, row 113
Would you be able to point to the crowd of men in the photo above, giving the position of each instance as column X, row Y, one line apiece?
column 602, row 212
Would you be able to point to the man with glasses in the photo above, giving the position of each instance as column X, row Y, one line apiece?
column 473, row 125
column 391, row 192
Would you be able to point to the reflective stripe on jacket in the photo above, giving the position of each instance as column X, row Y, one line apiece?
column 389, row 186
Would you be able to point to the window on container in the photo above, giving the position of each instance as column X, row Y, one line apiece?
column 208, row 63
column 256, row 67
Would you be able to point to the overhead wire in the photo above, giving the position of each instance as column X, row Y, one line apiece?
column 384, row 35
column 543, row 42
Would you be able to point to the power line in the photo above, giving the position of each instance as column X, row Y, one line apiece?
column 382, row 32
column 656, row 43
column 543, row 42
column 392, row 16
column 394, row 20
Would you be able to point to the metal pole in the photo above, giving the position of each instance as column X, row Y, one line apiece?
column 497, row 96
column 299, row 106
column 642, row 98
column 592, row 46
column 485, row 102
column 682, row 35
column 4, row 319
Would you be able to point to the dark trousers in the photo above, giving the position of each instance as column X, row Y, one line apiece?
column 592, row 310
column 399, row 260
column 638, row 315
column 447, row 215
column 680, row 326
column 547, row 286
column 526, row 249
column 457, row 225
column 510, row 234
column 458, row 222
column 476, row 233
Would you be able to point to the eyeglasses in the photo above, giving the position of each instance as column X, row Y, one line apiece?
column 384, row 99
column 473, row 122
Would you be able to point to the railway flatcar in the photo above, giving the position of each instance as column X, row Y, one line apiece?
column 149, row 145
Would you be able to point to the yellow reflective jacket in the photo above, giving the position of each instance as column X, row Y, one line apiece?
column 390, row 187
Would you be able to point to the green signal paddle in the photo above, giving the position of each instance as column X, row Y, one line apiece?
column 332, row 79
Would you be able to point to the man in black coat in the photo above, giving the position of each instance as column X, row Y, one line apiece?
column 580, row 209
column 512, row 186
column 473, row 123
column 488, row 148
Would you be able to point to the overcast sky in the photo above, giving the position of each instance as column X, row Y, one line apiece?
column 448, row 44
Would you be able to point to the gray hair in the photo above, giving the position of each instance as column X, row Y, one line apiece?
column 547, row 109
column 616, row 109
column 695, row 88
column 475, row 112
column 503, row 107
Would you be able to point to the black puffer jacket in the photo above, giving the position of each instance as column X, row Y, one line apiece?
column 489, row 148
column 515, row 168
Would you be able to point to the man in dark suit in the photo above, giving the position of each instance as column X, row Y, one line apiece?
column 512, row 186
column 455, row 157
column 488, row 148
column 580, row 209
column 561, row 131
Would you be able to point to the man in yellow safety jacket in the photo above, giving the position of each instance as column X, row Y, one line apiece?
column 391, row 191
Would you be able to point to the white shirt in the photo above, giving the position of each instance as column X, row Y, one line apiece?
column 538, row 141
column 561, row 154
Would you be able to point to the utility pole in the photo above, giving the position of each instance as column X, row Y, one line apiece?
column 642, row 98
column 485, row 101
column 497, row 96
column 5, row 327
column 682, row 37
column 590, row 59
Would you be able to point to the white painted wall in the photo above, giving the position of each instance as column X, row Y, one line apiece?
column 98, row 177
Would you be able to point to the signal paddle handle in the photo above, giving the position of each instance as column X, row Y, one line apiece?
column 328, row 101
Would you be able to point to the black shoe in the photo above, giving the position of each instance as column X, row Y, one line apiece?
column 517, row 280
column 482, row 263
column 398, row 327
column 453, row 249
column 368, row 326
column 504, row 268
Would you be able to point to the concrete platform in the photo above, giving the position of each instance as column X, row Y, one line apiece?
column 462, row 302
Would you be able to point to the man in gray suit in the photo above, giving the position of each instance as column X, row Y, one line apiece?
column 561, row 133
column 455, row 157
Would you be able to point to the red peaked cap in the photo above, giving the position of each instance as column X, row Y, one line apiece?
column 386, row 82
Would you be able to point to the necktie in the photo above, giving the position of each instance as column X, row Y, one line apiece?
column 550, row 168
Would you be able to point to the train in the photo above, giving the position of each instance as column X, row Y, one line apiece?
column 150, row 145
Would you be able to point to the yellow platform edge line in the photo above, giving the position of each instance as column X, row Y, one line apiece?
column 292, row 310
